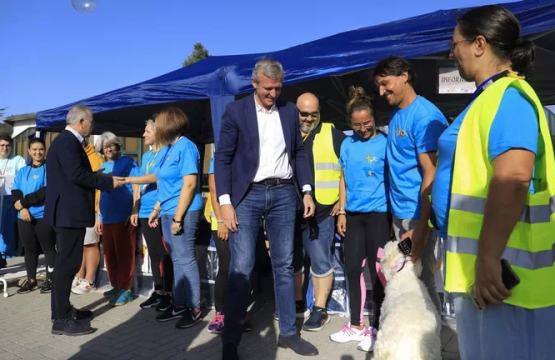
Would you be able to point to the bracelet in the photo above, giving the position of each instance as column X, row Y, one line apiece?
column 220, row 221
column 341, row 213
column 157, row 210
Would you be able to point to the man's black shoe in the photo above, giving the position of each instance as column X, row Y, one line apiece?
column 81, row 314
column 70, row 327
column 229, row 352
column 46, row 287
column 298, row 345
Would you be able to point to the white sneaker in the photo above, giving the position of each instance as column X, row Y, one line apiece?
column 84, row 287
column 348, row 334
column 367, row 344
column 75, row 282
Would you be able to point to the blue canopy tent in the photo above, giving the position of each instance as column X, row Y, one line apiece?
column 325, row 67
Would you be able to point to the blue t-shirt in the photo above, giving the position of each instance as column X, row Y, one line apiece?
column 413, row 130
column 149, row 194
column 29, row 180
column 211, row 169
column 364, row 164
column 514, row 126
column 116, row 205
column 183, row 159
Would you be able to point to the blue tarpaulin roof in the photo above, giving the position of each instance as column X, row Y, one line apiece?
column 339, row 54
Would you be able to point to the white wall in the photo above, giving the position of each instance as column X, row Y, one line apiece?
column 21, row 126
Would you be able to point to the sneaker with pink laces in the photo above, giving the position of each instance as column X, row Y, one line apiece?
column 216, row 326
column 348, row 333
column 367, row 344
column 83, row 287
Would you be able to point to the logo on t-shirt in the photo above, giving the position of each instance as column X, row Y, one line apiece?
column 400, row 133
column 371, row 159
column 35, row 176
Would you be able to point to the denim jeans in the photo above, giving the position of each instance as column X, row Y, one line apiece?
column 181, row 248
column 277, row 204
column 318, row 241
column 504, row 332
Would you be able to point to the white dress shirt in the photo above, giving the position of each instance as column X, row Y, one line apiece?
column 77, row 135
column 274, row 161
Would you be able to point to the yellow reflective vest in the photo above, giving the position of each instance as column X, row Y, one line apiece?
column 531, row 246
column 327, row 170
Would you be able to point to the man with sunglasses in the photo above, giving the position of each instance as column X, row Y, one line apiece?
column 412, row 144
column 322, row 143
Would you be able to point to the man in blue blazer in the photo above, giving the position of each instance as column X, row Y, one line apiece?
column 69, row 207
column 260, row 169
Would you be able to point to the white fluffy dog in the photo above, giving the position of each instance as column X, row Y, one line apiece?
column 409, row 323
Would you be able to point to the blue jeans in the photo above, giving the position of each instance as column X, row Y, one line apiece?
column 504, row 332
column 277, row 204
column 181, row 248
column 318, row 241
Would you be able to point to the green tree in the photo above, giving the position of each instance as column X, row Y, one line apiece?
column 199, row 53
column 2, row 110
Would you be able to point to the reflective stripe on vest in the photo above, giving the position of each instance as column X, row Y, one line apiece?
column 327, row 170
column 531, row 214
column 531, row 246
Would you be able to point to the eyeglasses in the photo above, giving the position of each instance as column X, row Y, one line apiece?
column 367, row 124
column 306, row 114
column 111, row 146
column 5, row 146
column 453, row 44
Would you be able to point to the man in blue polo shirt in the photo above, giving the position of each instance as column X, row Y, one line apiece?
column 414, row 130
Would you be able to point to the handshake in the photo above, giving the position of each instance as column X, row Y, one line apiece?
column 119, row 181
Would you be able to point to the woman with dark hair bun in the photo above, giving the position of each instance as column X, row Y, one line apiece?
column 364, row 211
column 492, row 196
column 28, row 194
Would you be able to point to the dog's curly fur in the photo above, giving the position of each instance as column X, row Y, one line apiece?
column 409, row 323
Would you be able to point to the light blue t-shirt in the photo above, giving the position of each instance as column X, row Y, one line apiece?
column 183, row 159
column 413, row 130
column 211, row 169
column 514, row 126
column 364, row 164
column 116, row 205
column 29, row 180
column 149, row 194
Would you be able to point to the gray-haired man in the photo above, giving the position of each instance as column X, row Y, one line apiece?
column 260, row 168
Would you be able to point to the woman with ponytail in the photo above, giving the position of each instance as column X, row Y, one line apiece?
column 364, row 219
column 494, row 160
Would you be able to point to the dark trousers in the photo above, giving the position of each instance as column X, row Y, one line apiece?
column 68, row 262
column 35, row 235
column 161, row 262
column 366, row 233
column 224, row 259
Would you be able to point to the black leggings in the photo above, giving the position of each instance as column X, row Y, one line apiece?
column 366, row 233
column 224, row 259
column 161, row 262
column 35, row 235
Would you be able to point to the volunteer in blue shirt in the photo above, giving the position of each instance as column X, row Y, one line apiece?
column 487, row 46
column 179, row 208
column 118, row 235
column 414, row 130
column 364, row 218
column 145, row 198
column 28, row 193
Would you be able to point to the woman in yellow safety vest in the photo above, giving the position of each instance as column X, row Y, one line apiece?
column 492, row 196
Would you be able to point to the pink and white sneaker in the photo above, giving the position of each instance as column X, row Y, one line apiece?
column 348, row 333
column 84, row 287
column 367, row 344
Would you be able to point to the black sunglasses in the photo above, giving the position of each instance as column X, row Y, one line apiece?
column 305, row 114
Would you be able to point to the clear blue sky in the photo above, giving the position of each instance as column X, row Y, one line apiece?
column 52, row 55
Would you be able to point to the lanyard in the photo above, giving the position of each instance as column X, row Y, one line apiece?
column 486, row 84
column 156, row 167
column 148, row 165
column 5, row 166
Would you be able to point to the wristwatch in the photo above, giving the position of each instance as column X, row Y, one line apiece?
column 177, row 222
column 307, row 192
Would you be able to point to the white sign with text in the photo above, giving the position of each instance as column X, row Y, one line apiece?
column 451, row 82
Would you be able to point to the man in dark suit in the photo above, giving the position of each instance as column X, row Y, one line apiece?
column 69, row 207
column 260, row 169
